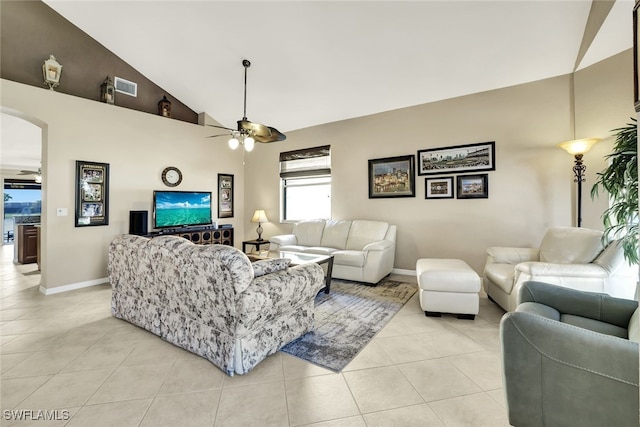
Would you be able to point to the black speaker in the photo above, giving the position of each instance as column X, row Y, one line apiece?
column 138, row 222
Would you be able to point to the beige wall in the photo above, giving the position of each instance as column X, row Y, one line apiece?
column 531, row 189
column 137, row 146
column 604, row 101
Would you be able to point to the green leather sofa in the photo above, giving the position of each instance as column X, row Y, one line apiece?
column 570, row 358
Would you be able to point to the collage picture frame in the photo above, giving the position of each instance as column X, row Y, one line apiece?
column 225, row 195
column 92, row 194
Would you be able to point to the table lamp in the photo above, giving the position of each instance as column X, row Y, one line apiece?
column 259, row 216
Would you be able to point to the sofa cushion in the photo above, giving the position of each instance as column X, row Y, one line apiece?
column 634, row 326
column 594, row 325
column 319, row 250
column 501, row 275
column 335, row 234
column 292, row 248
column 570, row 245
column 363, row 232
column 267, row 266
column 350, row 258
column 309, row 233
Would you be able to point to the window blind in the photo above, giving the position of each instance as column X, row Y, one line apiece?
column 306, row 162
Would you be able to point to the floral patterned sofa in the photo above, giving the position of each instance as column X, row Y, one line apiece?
column 210, row 299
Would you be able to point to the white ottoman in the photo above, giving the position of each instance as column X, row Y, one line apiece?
column 448, row 286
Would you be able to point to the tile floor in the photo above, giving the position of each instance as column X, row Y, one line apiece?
column 65, row 352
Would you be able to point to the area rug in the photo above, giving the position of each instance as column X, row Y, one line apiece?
column 347, row 318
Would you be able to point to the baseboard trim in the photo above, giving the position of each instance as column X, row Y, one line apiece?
column 403, row 272
column 72, row 286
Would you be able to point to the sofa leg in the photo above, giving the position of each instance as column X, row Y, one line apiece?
column 433, row 314
column 467, row 316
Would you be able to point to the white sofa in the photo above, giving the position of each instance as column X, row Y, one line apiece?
column 363, row 251
column 568, row 256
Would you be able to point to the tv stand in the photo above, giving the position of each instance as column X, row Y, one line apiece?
column 201, row 235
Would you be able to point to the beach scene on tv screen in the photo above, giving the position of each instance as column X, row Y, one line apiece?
column 182, row 209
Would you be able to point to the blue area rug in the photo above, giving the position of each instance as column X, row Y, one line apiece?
column 347, row 318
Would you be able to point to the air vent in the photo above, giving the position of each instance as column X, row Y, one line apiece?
column 125, row 86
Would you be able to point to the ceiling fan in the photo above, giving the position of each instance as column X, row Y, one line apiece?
column 249, row 132
column 38, row 174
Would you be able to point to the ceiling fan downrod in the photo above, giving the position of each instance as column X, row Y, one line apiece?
column 246, row 64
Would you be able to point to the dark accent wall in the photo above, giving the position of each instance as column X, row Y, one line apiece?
column 30, row 31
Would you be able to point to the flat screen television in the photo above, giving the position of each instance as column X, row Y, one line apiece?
column 181, row 208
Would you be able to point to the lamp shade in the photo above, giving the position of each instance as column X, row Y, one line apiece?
column 578, row 146
column 259, row 216
column 249, row 143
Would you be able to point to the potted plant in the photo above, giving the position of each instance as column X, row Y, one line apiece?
column 620, row 180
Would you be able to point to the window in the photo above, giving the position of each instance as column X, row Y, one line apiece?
column 305, row 180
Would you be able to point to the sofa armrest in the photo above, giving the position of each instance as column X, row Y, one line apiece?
column 562, row 270
column 268, row 296
column 378, row 246
column 603, row 307
column 505, row 255
column 282, row 240
column 559, row 374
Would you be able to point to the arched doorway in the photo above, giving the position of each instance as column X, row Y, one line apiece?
column 21, row 166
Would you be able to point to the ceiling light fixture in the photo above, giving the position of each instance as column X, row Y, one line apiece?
column 248, row 133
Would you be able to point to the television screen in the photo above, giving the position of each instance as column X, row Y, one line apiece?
column 181, row 208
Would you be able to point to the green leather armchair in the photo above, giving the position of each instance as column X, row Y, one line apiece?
column 570, row 358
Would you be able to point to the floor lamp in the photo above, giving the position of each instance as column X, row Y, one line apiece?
column 577, row 148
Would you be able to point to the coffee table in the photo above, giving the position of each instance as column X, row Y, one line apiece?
column 298, row 258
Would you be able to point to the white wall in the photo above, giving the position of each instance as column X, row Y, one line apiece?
column 138, row 146
column 531, row 189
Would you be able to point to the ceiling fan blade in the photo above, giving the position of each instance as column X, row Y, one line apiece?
column 221, row 127
column 275, row 136
column 254, row 129
column 23, row 172
column 220, row 134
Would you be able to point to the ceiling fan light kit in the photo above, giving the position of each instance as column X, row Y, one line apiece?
column 248, row 133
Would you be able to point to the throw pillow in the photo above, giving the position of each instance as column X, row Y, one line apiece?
column 267, row 266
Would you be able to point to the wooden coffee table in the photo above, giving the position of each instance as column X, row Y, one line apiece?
column 298, row 258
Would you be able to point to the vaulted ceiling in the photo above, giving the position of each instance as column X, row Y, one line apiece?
column 315, row 62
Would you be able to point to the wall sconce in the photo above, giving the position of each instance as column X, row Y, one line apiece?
column 51, row 70
column 577, row 148
column 108, row 91
column 259, row 216
column 164, row 107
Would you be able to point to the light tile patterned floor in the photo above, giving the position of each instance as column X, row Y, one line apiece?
column 66, row 352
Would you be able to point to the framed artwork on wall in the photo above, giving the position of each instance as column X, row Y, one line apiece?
column 92, row 193
column 225, row 196
column 438, row 188
column 392, row 177
column 457, row 159
column 473, row 186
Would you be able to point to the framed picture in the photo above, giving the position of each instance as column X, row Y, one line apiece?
column 473, row 186
column 225, row 195
column 92, row 193
column 392, row 177
column 457, row 159
column 636, row 56
column 438, row 188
